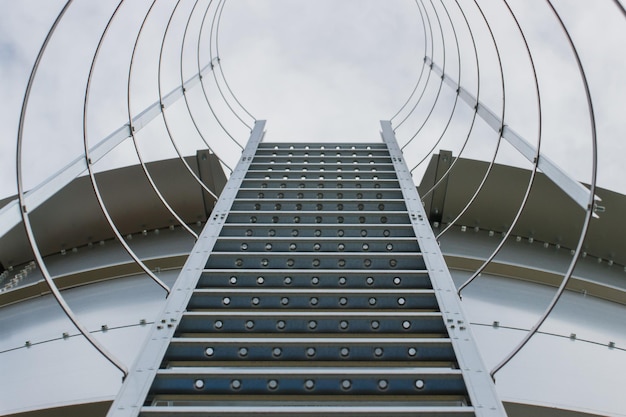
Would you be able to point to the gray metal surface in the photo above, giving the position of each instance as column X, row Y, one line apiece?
column 314, row 291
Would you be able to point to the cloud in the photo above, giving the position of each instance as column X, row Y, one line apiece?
column 323, row 70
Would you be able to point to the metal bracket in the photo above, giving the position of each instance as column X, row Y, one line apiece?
column 574, row 189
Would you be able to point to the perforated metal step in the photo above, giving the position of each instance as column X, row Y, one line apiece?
column 316, row 298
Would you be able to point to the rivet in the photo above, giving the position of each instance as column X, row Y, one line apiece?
column 235, row 384
column 310, row 352
column 260, row 280
column 375, row 324
column 280, row 324
column 277, row 351
column 412, row 351
column 419, row 384
column 383, row 384
column 226, row 301
column 309, row 384
column 343, row 324
column 312, row 324
column 218, row 324
column 346, row 384
column 406, row 324
column 198, row 384
column 209, row 351
column 249, row 324
column 344, row 352
column 243, row 352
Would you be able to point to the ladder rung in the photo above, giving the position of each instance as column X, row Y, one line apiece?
column 313, row 410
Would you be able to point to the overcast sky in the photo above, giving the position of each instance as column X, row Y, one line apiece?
column 316, row 70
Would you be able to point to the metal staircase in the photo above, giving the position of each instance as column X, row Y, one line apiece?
column 316, row 288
